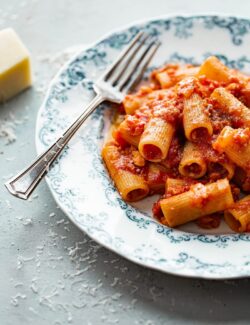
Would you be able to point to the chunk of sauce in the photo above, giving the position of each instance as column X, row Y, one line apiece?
column 242, row 137
column 217, row 171
column 174, row 156
column 124, row 161
column 211, row 221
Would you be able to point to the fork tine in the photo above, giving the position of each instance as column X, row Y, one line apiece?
column 121, row 56
column 140, row 63
column 136, row 77
column 133, row 66
column 127, row 59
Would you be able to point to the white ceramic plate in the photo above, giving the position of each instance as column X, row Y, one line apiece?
column 80, row 183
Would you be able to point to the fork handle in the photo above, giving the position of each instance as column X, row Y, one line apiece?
column 23, row 184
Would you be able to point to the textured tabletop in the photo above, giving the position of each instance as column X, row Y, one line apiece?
column 51, row 273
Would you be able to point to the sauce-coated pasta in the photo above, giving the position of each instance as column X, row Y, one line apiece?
column 186, row 135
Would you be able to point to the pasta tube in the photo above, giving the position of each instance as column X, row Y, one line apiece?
column 242, row 179
column 156, row 178
column 168, row 78
column 131, row 103
column 192, row 163
column 214, row 69
column 163, row 79
column 231, row 105
column 224, row 169
column 131, row 187
column 185, row 72
column 236, row 145
column 176, row 186
column 238, row 216
column 195, row 120
column 155, row 140
column 125, row 132
column 199, row 201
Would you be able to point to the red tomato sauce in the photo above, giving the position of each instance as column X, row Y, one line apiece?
column 125, row 161
column 211, row 221
column 174, row 156
column 242, row 137
column 150, row 101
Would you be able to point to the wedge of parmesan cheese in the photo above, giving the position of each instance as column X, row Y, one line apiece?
column 15, row 66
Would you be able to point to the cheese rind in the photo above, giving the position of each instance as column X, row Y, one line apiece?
column 15, row 65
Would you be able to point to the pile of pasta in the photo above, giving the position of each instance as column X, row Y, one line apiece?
column 185, row 134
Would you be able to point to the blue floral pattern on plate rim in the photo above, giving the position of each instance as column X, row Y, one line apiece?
column 79, row 73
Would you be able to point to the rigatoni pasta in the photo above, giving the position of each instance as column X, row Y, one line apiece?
column 236, row 145
column 131, row 104
column 176, row 186
column 156, row 177
column 192, row 163
column 131, row 185
column 125, row 132
column 222, row 168
column 186, row 136
column 232, row 106
column 173, row 73
column 195, row 119
column 238, row 215
column 199, row 201
column 212, row 68
column 155, row 140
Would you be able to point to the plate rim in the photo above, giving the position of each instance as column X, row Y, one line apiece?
column 176, row 272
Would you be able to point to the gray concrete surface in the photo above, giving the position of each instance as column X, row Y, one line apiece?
column 51, row 273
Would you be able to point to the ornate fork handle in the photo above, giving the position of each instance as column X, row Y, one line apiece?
column 118, row 79
column 26, row 181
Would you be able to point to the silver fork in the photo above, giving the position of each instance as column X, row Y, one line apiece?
column 122, row 75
